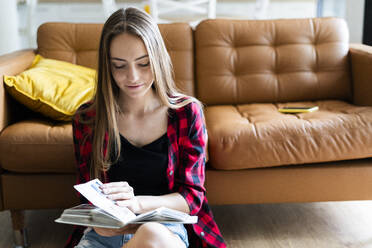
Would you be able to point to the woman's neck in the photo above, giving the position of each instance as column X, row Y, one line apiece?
column 139, row 106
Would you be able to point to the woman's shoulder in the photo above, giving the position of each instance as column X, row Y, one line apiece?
column 83, row 119
column 191, row 106
column 85, row 112
column 191, row 109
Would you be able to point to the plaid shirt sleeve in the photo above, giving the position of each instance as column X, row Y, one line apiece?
column 190, row 176
column 82, row 136
column 192, row 144
column 82, row 149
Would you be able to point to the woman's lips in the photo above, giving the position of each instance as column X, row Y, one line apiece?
column 134, row 86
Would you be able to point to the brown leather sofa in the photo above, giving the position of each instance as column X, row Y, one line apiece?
column 243, row 71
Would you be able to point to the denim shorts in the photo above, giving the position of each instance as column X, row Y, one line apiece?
column 92, row 240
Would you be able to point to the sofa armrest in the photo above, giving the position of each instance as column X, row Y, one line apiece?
column 361, row 67
column 11, row 64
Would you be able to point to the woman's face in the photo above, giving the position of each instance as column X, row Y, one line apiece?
column 130, row 65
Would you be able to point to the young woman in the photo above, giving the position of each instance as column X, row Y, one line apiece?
column 145, row 140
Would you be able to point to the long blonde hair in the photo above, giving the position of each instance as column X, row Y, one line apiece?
column 140, row 24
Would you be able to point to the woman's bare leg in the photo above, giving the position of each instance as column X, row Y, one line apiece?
column 154, row 235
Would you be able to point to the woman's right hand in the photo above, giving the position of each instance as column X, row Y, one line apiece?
column 123, row 195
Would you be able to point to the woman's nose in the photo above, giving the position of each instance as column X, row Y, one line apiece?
column 133, row 74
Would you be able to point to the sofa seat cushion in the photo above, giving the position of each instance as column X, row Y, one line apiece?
column 258, row 135
column 37, row 146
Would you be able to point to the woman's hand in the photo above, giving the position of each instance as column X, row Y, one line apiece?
column 122, row 193
column 108, row 232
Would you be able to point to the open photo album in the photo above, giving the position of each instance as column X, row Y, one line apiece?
column 105, row 213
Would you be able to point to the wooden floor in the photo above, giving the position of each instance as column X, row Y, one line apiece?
column 309, row 225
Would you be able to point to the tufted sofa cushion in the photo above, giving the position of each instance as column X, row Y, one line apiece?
column 257, row 135
column 37, row 146
column 240, row 61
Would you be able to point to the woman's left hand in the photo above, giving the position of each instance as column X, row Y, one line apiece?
column 122, row 193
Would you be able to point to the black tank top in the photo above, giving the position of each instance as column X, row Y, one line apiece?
column 144, row 168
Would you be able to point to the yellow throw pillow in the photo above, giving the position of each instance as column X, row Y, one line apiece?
column 53, row 88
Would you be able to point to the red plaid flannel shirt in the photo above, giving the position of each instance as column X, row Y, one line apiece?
column 186, row 169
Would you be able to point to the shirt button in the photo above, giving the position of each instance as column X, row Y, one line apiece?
column 202, row 234
column 171, row 173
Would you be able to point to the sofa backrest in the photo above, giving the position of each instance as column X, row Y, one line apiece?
column 245, row 61
column 78, row 44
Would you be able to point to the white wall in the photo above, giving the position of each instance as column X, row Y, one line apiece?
column 9, row 40
column 355, row 17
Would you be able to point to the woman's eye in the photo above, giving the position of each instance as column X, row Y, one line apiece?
column 144, row 65
column 119, row 66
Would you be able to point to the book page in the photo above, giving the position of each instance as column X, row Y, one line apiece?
column 93, row 193
column 165, row 215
